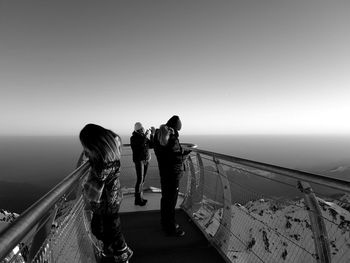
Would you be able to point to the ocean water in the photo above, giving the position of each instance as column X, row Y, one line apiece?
column 30, row 166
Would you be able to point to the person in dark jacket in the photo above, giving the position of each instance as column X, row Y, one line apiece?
column 141, row 142
column 170, row 157
column 102, row 190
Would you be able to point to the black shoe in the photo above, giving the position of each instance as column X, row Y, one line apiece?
column 167, row 226
column 178, row 232
column 125, row 256
column 140, row 202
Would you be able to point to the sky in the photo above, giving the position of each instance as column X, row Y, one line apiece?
column 224, row 67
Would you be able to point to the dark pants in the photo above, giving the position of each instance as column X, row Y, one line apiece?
column 107, row 228
column 170, row 189
column 141, row 171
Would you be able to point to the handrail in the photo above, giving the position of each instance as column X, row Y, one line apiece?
column 287, row 172
column 14, row 233
column 262, row 214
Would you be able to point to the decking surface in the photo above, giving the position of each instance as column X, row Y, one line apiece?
column 144, row 235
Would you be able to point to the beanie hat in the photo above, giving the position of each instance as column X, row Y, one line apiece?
column 174, row 122
column 138, row 126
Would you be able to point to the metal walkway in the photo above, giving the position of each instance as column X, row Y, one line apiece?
column 144, row 235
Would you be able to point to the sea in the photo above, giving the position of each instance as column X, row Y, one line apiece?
column 32, row 165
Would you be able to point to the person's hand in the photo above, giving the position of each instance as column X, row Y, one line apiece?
column 187, row 152
column 153, row 130
column 171, row 130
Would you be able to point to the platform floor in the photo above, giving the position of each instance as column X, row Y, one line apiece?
column 152, row 204
column 144, row 235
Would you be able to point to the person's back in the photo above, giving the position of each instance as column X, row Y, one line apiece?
column 159, row 142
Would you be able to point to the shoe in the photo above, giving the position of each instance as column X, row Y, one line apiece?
column 139, row 200
column 124, row 257
column 166, row 227
column 178, row 232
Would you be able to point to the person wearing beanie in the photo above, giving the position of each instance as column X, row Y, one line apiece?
column 138, row 126
column 170, row 157
column 141, row 142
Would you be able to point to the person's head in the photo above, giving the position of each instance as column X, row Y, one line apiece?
column 99, row 144
column 138, row 127
column 175, row 123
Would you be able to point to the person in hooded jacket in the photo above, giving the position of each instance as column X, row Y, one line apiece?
column 170, row 157
column 102, row 189
column 141, row 142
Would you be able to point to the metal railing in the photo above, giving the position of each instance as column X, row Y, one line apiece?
column 257, row 212
column 57, row 227
column 32, row 232
column 250, row 211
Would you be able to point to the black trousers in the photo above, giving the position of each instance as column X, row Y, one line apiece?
column 107, row 228
column 170, row 189
column 141, row 171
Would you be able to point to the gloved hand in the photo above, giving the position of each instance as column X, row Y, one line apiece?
column 186, row 152
column 153, row 130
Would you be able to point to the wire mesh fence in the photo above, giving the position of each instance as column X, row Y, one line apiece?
column 64, row 234
column 271, row 218
column 250, row 214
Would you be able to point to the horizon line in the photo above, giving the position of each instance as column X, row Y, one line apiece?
column 186, row 134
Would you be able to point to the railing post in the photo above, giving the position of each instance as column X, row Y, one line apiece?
column 194, row 193
column 317, row 223
column 43, row 230
column 191, row 187
column 222, row 235
column 200, row 188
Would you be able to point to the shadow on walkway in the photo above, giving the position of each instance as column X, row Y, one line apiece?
column 144, row 235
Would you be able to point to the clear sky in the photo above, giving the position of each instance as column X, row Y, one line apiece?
column 234, row 66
